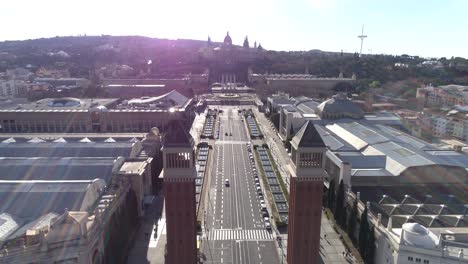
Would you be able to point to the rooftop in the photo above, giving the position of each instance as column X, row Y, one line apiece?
column 66, row 149
column 383, row 147
column 38, row 168
column 67, row 103
column 34, row 203
column 308, row 136
column 339, row 104
column 432, row 206
column 171, row 99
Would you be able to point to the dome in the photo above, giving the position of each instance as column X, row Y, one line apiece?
column 415, row 228
column 417, row 235
column 339, row 107
column 99, row 108
column 227, row 39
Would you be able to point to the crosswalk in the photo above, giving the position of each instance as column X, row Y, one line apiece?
column 233, row 234
column 222, row 142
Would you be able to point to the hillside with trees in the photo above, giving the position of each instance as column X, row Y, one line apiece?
column 173, row 58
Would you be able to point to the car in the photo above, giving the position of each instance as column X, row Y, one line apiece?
column 262, row 201
column 266, row 219
column 226, row 182
column 259, row 190
column 268, row 226
column 265, row 214
column 257, row 184
column 263, row 206
column 226, row 134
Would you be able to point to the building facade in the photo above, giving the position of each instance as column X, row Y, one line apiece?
column 448, row 95
column 73, row 115
column 452, row 123
column 13, row 88
column 228, row 63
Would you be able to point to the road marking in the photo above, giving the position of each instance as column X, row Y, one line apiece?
column 244, row 235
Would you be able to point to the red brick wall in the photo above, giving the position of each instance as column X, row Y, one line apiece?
column 181, row 222
column 305, row 209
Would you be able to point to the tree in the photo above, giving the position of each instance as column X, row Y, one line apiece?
column 352, row 220
column 363, row 233
column 331, row 194
column 374, row 84
column 275, row 118
column 339, row 206
column 371, row 246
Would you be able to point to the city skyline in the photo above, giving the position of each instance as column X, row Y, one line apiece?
column 393, row 27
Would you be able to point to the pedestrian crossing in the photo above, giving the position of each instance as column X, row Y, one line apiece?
column 222, row 142
column 233, row 234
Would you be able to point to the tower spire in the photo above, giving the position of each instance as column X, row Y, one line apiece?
column 246, row 42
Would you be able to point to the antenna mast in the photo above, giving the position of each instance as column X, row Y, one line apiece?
column 362, row 37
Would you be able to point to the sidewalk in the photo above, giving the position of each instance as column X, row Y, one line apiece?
column 331, row 247
column 150, row 242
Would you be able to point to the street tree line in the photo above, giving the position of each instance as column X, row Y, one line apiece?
column 349, row 219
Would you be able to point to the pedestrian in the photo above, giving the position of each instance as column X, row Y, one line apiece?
column 146, row 235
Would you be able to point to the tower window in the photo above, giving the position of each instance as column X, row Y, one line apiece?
column 178, row 160
column 310, row 160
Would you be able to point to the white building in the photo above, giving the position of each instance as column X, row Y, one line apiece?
column 13, row 88
column 451, row 123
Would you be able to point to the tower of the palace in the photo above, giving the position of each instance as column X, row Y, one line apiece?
column 305, row 202
column 179, row 192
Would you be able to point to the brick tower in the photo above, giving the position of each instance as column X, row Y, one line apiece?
column 179, row 193
column 305, row 200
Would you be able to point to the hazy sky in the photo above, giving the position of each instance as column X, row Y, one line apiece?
column 415, row 27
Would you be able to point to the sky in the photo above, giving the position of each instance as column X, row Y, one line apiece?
column 428, row 28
